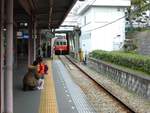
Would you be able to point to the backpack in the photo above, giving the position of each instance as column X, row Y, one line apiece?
column 45, row 69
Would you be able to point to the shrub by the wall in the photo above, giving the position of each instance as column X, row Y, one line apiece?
column 134, row 61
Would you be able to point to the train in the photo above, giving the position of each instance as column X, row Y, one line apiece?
column 60, row 46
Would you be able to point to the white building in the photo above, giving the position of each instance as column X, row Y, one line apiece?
column 102, row 24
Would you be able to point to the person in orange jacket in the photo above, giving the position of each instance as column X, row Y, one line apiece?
column 41, row 72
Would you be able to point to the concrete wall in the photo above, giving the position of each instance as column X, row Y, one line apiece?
column 136, row 83
column 143, row 39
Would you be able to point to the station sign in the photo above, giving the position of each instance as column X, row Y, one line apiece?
column 22, row 35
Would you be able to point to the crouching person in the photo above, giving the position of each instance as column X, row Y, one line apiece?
column 29, row 80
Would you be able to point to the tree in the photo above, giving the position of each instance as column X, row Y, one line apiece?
column 139, row 5
column 136, row 10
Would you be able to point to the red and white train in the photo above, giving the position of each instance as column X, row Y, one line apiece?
column 60, row 46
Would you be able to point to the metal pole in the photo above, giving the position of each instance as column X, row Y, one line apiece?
column 34, row 49
column 68, row 43
column 40, row 45
column 35, row 37
column 31, row 50
column 30, row 42
column 2, row 55
column 9, row 59
column 29, row 45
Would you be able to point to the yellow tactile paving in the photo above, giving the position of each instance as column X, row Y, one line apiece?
column 48, row 103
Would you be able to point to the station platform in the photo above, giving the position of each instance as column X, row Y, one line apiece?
column 60, row 93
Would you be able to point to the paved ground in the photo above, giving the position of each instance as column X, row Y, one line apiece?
column 70, row 97
column 24, row 102
column 63, row 97
column 48, row 102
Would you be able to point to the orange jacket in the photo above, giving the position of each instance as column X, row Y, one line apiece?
column 41, row 68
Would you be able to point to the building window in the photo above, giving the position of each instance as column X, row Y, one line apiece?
column 118, row 9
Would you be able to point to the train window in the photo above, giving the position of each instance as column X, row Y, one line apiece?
column 57, row 43
column 64, row 43
column 61, row 43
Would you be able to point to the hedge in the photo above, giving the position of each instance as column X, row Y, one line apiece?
column 134, row 61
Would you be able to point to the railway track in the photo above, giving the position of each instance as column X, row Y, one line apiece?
column 102, row 100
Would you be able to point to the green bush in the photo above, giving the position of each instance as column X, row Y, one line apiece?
column 130, row 60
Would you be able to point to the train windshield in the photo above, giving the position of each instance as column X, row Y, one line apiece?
column 60, row 42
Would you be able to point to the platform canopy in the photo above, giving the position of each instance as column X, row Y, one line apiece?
column 47, row 13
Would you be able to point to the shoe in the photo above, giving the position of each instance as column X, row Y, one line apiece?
column 42, row 88
column 38, row 88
